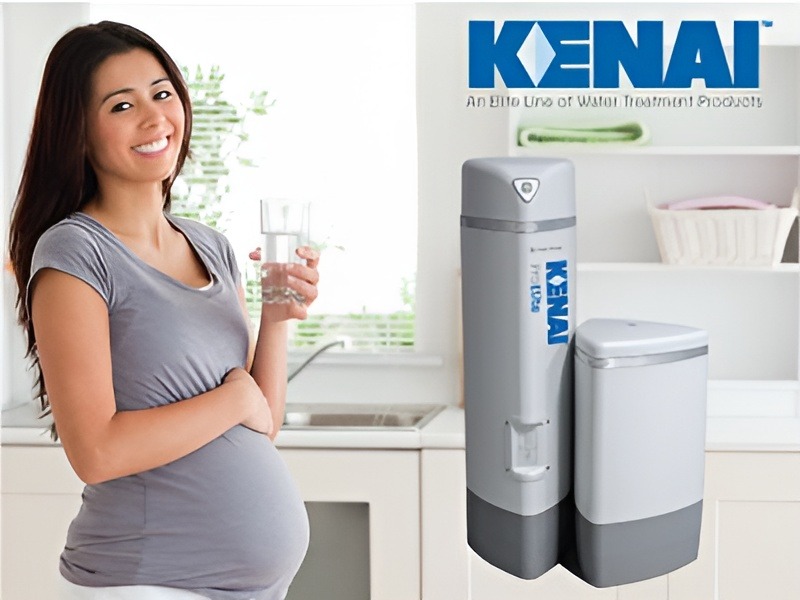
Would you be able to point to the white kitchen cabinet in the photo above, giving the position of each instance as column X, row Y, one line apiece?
column 749, row 542
column 41, row 495
column 388, row 480
column 445, row 554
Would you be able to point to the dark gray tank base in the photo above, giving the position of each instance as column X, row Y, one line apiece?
column 620, row 553
column 524, row 546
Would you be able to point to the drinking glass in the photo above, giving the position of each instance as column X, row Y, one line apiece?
column 284, row 228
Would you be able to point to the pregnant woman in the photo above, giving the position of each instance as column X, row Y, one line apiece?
column 165, row 405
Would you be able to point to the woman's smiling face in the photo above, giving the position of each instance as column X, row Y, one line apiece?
column 134, row 121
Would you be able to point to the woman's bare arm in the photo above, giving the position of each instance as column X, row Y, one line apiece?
column 72, row 337
column 267, row 356
column 267, row 363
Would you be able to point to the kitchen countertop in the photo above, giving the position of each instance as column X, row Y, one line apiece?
column 20, row 427
column 724, row 433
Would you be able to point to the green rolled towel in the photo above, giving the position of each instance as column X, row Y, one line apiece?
column 631, row 132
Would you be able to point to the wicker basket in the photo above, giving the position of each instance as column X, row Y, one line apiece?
column 723, row 237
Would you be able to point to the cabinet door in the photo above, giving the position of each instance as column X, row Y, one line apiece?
column 40, row 496
column 750, row 543
column 388, row 480
column 445, row 554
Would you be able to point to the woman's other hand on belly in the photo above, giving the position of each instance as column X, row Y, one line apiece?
column 260, row 417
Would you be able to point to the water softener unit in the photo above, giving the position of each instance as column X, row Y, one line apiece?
column 639, row 397
column 640, row 416
column 518, row 273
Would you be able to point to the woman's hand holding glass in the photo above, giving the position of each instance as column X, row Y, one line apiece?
column 301, row 279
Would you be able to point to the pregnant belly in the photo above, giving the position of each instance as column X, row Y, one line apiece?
column 227, row 516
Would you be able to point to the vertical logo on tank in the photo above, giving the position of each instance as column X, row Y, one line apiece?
column 535, row 288
column 557, row 282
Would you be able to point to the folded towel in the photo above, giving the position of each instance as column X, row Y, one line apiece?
column 630, row 132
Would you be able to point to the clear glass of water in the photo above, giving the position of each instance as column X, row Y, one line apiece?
column 284, row 228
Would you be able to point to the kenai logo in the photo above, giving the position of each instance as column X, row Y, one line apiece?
column 557, row 303
column 583, row 54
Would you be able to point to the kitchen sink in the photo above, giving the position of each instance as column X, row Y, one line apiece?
column 359, row 416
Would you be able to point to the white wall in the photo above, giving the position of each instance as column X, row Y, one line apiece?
column 447, row 136
column 29, row 31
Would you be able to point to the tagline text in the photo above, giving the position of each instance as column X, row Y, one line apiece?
column 619, row 100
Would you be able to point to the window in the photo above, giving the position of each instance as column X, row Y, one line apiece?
column 337, row 86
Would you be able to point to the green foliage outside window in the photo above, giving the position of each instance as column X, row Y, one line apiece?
column 219, row 130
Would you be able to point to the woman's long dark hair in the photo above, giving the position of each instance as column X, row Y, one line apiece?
column 57, row 178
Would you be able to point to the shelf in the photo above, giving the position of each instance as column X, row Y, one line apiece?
column 754, row 399
column 655, row 267
column 598, row 149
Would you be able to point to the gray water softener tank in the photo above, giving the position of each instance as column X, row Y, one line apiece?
column 640, row 414
column 518, row 274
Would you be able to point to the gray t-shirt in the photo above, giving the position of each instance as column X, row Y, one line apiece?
column 225, row 521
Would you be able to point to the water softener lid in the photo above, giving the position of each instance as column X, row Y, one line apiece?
column 617, row 338
column 518, row 189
